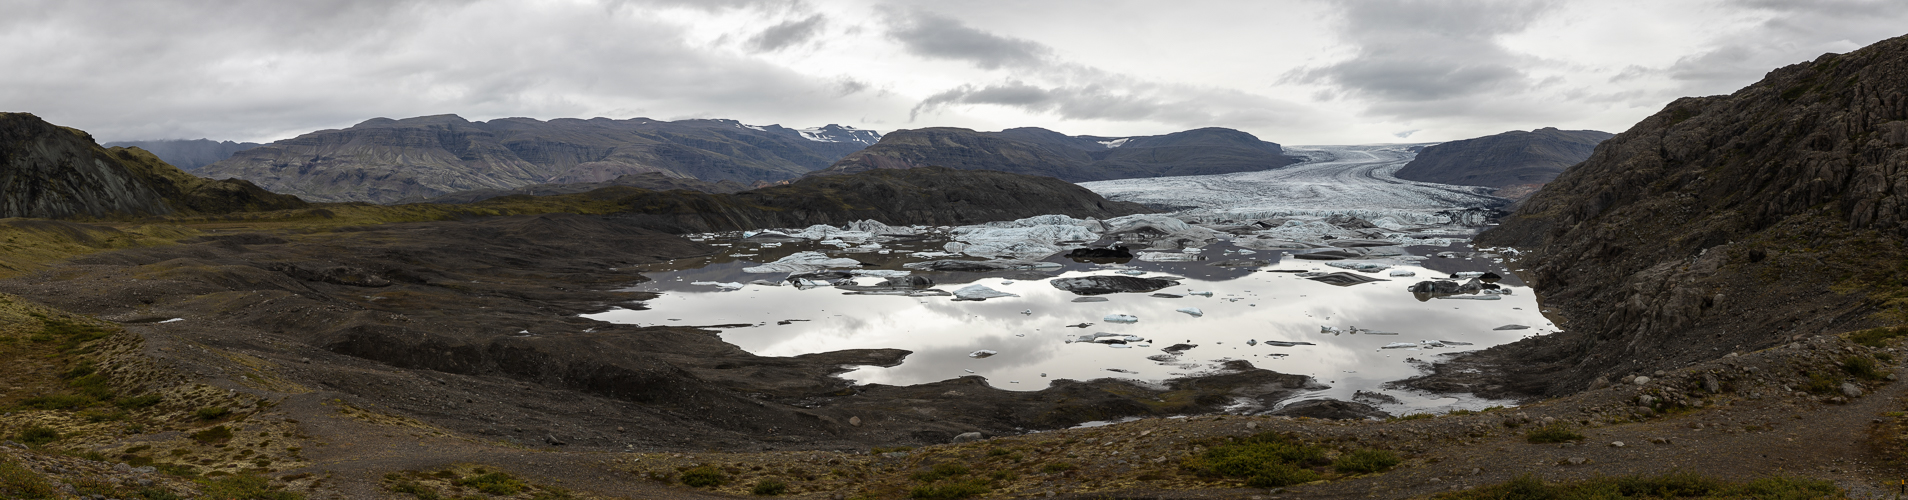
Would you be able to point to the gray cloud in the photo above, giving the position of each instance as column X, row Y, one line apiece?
column 787, row 34
column 1795, row 31
column 934, row 36
column 1416, row 51
column 1179, row 105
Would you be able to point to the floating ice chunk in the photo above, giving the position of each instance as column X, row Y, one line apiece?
column 1089, row 299
column 1252, row 342
column 1194, row 311
column 1121, row 318
column 1403, row 273
column 1120, row 346
column 1202, row 294
column 1359, row 266
column 931, row 254
column 1281, row 343
column 1028, row 312
column 979, row 292
column 173, row 320
column 802, row 262
column 1167, row 257
column 967, row 370
column 1400, row 345
column 1130, row 272
column 1467, row 274
column 1471, row 297
column 1246, row 252
column 880, row 273
column 1027, row 243
column 982, row 353
column 1451, row 342
column 1329, row 329
column 1512, row 327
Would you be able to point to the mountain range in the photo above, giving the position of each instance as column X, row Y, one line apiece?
column 1514, row 162
column 188, row 155
column 383, row 160
column 1080, row 158
column 49, row 171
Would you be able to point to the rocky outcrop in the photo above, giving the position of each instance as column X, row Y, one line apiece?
column 1504, row 161
column 931, row 196
column 653, row 181
column 1036, row 151
column 384, row 161
column 49, row 171
column 188, row 155
column 1722, row 224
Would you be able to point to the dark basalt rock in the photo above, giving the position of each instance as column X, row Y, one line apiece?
column 1439, row 286
column 1101, row 285
column 1716, row 224
column 1332, row 409
column 1116, row 252
column 49, row 171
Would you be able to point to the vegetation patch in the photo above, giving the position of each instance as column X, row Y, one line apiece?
column 37, row 435
column 247, row 487
column 769, row 487
column 215, row 435
column 1878, row 337
column 1554, row 433
column 1266, row 459
column 703, row 476
column 1366, row 461
column 1675, row 485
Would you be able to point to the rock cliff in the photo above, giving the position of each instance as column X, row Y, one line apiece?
column 384, row 161
column 1037, row 151
column 1507, row 161
column 1720, row 224
column 49, row 171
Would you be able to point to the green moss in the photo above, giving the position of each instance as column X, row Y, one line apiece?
column 495, row 483
column 1056, row 467
column 1366, row 461
column 18, row 482
column 37, row 435
column 137, row 402
column 1877, row 337
column 943, row 470
column 212, row 412
column 1675, row 485
column 963, row 489
column 245, row 487
column 213, row 435
column 1554, row 433
column 769, row 487
column 1265, row 460
column 702, row 477
column 1864, row 367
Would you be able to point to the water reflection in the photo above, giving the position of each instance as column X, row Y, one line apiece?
column 1030, row 331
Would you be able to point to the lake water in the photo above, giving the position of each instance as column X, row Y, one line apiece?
column 1030, row 333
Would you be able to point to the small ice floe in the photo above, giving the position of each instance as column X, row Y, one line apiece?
column 979, row 292
column 1472, row 297
column 1401, row 345
column 1359, row 266
column 1120, row 346
column 722, row 285
column 1043, row 375
column 1130, row 272
column 881, row 273
column 1453, row 342
column 173, row 320
column 1081, row 325
column 1167, row 257
column 1402, row 273
column 742, row 255
column 1201, row 294
column 1194, row 311
column 982, row 353
column 1466, row 274
column 1252, row 342
column 967, row 370
column 1512, row 327
column 1329, row 329
column 1121, row 318
column 1281, row 343
column 1089, row 299
column 1246, row 252
column 1117, row 370
column 802, row 262
column 1027, row 312
column 1006, row 282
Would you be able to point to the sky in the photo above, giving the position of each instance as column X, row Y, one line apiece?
column 1288, row 71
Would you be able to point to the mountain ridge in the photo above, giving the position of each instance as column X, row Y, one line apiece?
column 383, row 160
column 1038, row 151
column 49, row 171
column 1510, row 161
column 187, row 154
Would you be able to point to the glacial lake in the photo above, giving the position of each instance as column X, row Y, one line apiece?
column 1030, row 333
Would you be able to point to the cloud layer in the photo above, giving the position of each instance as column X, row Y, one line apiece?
column 1294, row 72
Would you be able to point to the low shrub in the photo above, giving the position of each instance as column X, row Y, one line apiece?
column 963, row 489
column 213, row 435
column 1366, row 461
column 1554, row 433
column 37, row 435
column 495, row 483
column 769, row 487
column 1674, row 485
column 702, row 477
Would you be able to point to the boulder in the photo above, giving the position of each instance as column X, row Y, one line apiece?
column 1332, row 409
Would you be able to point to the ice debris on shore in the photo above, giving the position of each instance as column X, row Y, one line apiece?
column 1121, row 318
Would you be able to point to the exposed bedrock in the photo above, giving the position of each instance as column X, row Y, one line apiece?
column 1719, row 224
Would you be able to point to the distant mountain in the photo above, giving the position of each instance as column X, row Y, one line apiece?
column 49, row 171
column 1081, row 158
column 188, row 155
column 384, row 160
column 1515, row 162
column 653, row 181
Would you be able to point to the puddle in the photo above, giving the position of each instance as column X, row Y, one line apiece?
column 1241, row 309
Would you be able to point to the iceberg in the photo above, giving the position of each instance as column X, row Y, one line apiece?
column 979, row 292
column 802, row 262
column 1121, row 318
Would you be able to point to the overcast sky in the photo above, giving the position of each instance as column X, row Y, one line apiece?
column 1292, row 72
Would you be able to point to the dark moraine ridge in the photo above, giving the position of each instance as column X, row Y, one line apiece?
column 1719, row 224
column 1037, row 151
